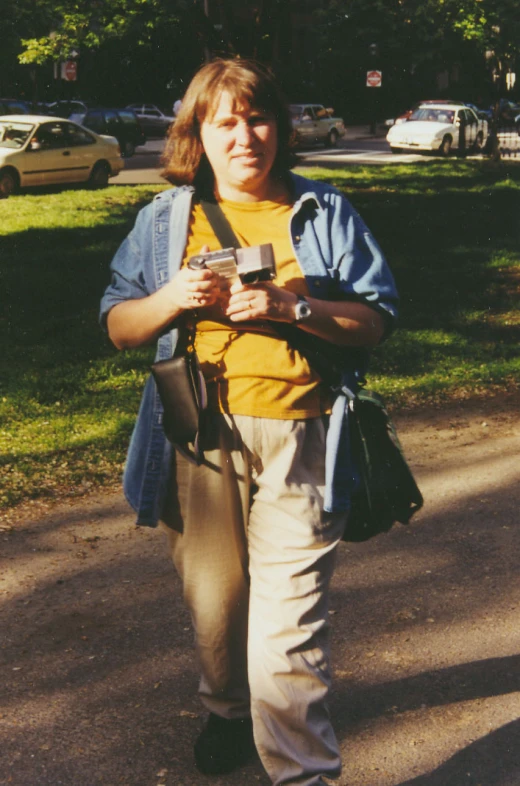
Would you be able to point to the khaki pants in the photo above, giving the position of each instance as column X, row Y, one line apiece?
column 256, row 555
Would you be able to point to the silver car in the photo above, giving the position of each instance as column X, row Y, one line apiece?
column 152, row 120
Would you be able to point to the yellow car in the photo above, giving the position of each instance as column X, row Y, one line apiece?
column 37, row 150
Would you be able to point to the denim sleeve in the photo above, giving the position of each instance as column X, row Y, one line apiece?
column 363, row 273
column 129, row 267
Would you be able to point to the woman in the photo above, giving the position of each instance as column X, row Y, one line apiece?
column 254, row 529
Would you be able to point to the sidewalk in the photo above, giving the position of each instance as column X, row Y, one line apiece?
column 364, row 132
column 99, row 673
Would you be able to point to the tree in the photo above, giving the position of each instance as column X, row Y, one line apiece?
column 88, row 24
column 322, row 50
column 493, row 27
column 122, row 44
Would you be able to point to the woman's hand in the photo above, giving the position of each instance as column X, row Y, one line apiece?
column 261, row 301
column 133, row 323
column 191, row 289
column 345, row 323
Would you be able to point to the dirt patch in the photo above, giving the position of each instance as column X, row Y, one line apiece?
column 100, row 681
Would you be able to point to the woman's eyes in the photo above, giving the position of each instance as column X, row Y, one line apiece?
column 252, row 120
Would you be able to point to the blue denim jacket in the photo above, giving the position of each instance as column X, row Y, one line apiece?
column 339, row 258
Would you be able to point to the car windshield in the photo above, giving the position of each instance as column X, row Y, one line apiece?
column 14, row 134
column 433, row 115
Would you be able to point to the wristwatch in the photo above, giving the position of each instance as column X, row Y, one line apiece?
column 302, row 309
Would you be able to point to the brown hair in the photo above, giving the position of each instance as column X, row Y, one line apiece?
column 248, row 83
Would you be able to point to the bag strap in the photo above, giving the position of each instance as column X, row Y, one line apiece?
column 219, row 223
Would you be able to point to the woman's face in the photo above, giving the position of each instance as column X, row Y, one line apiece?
column 240, row 143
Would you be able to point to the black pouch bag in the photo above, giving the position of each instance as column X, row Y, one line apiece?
column 182, row 389
column 387, row 491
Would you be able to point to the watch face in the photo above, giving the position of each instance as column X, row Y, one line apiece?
column 303, row 310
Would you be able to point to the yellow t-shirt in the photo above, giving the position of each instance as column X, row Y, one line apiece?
column 249, row 369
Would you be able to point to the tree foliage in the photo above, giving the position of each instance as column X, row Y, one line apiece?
column 322, row 50
column 124, row 47
column 494, row 28
column 416, row 41
column 88, row 24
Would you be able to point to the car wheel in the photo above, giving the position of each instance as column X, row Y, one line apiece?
column 127, row 149
column 396, row 150
column 332, row 139
column 8, row 183
column 445, row 148
column 99, row 175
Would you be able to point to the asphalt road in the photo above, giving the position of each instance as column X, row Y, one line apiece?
column 144, row 166
column 357, row 147
column 99, row 675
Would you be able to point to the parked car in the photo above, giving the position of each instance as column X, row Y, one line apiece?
column 38, row 150
column 404, row 116
column 13, row 106
column 508, row 112
column 121, row 123
column 435, row 127
column 153, row 121
column 41, row 108
column 483, row 114
column 314, row 123
column 66, row 108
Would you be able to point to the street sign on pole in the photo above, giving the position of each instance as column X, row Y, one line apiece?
column 69, row 70
column 374, row 78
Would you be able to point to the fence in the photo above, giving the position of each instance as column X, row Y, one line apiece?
column 509, row 142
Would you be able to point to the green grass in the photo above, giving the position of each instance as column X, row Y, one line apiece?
column 68, row 399
column 451, row 233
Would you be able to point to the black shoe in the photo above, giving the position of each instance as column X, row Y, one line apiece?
column 223, row 745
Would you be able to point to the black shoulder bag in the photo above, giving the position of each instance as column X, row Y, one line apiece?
column 387, row 492
column 182, row 389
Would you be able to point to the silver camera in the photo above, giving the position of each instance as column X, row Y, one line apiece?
column 251, row 264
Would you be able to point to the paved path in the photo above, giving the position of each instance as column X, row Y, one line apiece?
column 99, row 677
column 358, row 146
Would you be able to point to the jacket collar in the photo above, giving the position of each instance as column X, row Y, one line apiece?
column 299, row 186
column 302, row 193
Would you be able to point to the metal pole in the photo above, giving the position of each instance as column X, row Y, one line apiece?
column 207, row 53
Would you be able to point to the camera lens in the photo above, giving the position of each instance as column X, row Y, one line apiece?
column 196, row 263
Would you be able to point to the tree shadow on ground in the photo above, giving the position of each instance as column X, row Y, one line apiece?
column 99, row 656
column 493, row 760
column 461, row 683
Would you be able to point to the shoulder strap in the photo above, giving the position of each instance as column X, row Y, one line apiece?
column 219, row 224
